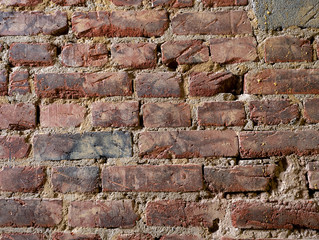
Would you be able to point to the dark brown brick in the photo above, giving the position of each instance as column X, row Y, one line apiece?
column 147, row 178
column 75, row 179
column 13, row 147
column 127, row 2
column 236, row 50
column 287, row 49
column 273, row 112
column 20, row 3
column 221, row 114
column 137, row 236
column 224, row 3
column 18, row 83
column 84, row 55
column 282, row 81
column 313, row 175
column 102, row 214
column 3, row 83
column 22, row 236
column 166, row 115
column 207, row 84
column 134, row 55
column 30, row 212
column 260, row 215
column 74, row 236
column 311, row 113
column 248, row 178
column 211, row 23
column 161, row 84
column 32, row 23
column 188, row 144
column 181, row 237
column 173, row 3
column 278, row 143
column 111, row 114
column 69, row 2
column 21, row 179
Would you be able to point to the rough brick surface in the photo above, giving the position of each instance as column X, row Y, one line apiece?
column 166, row 115
column 273, row 112
column 3, row 83
column 181, row 237
column 173, row 3
column 103, row 214
column 74, row 236
column 260, row 215
column 22, row 236
column 75, row 179
column 69, row 2
column 313, row 175
column 239, row 178
column 13, row 147
column 20, row 2
column 168, row 178
column 221, row 114
column 109, row 114
column 30, row 212
column 188, row 144
column 18, row 83
column 127, row 2
column 224, row 3
column 311, row 113
column 137, row 236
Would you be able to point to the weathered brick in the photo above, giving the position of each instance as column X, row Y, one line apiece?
column 173, row 3
column 224, row 3
column 168, row 178
column 84, row 55
column 137, row 236
column 166, row 115
column 260, row 215
column 248, row 178
column 227, row 238
column 134, row 55
column 69, row 2
column 145, row 23
column 20, row 3
column 127, row 2
column 273, row 112
column 74, row 236
column 181, row 237
column 287, row 49
column 18, row 83
column 236, row 50
column 62, row 115
column 207, row 84
column 161, row 84
column 3, row 83
column 221, row 114
column 180, row 213
column 17, row 116
column 75, row 179
column 282, row 81
column 13, row 147
column 79, row 146
column 76, row 85
column 278, row 143
column 32, row 23
column 32, row 54
column 102, row 214
column 184, row 52
column 313, row 175
column 22, row 236
column 188, row 144
column 311, row 113
column 110, row 114
column 211, row 23
column 21, row 179
column 30, row 212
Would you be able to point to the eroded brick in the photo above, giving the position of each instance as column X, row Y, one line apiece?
column 13, row 147
column 311, row 113
column 69, row 2
column 127, row 2
column 181, row 237
column 173, row 3
column 22, row 236
column 224, row 3
column 137, row 236
column 20, row 3
column 74, row 236
column 18, row 83
column 313, row 175
column 3, row 83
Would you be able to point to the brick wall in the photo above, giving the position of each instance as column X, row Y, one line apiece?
column 159, row 120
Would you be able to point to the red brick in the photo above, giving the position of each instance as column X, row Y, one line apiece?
column 221, row 114
column 84, row 55
column 211, row 23
column 20, row 3
column 145, row 23
column 74, row 236
column 181, row 237
column 313, row 175
column 173, row 3
column 62, row 115
column 311, row 113
column 207, row 84
column 273, row 112
column 22, row 236
column 188, row 144
column 75, row 179
column 287, row 49
column 102, row 214
column 19, row 116
column 235, row 50
column 32, row 54
column 13, row 147
column 148, row 178
column 278, row 143
column 137, row 236
column 21, row 179
column 260, row 215
column 282, row 81
column 184, row 52
column 161, row 84
column 224, row 3
column 110, row 114
column 248, row 178
column 32, row 23
column 3, row 83
column 69, row 2
column 176, row 213
column 77, row 85
column 18, row 83
column 166, row 115
column 134, row 55
column 30, row 212
column 127, row 2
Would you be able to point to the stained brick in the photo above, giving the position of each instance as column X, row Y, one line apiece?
column 181, row 237
column 74, row 236
column 173, row 3
column 22, row 236
column 20, row 2
column 127, row 2
column 13, row 147
column 168, row 178
column 137, row 236
column 224, row 3
column 311, row 113
column 69, row 2
column 313, row 175
column 3, row 83
column 18, row 83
